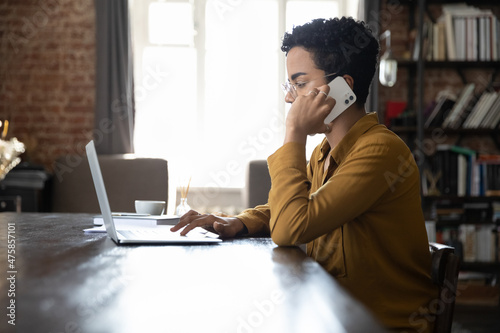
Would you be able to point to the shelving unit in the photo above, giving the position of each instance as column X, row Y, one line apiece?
column 416, row 135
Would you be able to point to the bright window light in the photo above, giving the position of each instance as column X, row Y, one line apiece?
column 241, row 119
column 171, row 23
column 166, row 102
column 210, row 102
column 300, row 12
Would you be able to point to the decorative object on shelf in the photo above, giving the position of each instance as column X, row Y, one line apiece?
column 388, row 65
column 433, row 180
column 183, row 206
column 9, row 151
column 394, row 109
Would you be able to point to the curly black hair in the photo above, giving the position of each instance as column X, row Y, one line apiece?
column 343, row 46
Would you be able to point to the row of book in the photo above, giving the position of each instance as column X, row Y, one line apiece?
column 459, row 171
column 462, row 33
column 450, row 212
column 472, row 242
column 480, row 242
column 467, row 110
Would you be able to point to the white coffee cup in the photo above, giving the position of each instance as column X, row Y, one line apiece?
column 149, row 207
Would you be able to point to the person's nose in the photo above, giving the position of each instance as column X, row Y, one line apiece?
column 289, row 98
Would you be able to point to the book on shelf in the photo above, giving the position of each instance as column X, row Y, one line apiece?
column 448, row 235
column 456, row 167
column 449, row 213
column 473, row 242
column 459, row 111
column 481, row 110
column 461, row 33
column 495, row 211
column 479, row 242
column 438, row 41
column 478, row 212
column 442, row 106
column 430, row 227
column 492, row 116
column 466, row 111
column 489, row 168
column 470, row 34
column 459, row 171
column 450, row 36
column 467, row 236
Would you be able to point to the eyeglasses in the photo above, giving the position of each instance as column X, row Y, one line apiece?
column 291, row 89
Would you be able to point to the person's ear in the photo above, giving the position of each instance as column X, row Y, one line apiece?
column 349, row 80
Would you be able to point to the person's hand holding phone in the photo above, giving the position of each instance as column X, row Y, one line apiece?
column 307, row 115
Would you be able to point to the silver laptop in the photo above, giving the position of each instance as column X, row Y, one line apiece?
column 157, row 235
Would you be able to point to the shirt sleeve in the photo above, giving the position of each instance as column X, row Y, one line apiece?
column 256, row 220
column 298, row 216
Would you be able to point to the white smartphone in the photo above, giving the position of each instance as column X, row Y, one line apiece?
column 343, row 95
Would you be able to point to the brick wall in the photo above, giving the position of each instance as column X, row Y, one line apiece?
column 47, row 75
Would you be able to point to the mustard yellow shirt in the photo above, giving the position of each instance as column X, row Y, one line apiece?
column 362, row 219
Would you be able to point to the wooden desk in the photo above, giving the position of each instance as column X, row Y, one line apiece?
column 68, row 281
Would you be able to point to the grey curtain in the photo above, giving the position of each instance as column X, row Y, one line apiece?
column 114, row 106
column 368, row 11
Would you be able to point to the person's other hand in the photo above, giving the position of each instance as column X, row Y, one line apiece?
column 226, row 227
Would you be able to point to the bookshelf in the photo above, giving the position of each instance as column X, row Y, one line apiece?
column 463, row 213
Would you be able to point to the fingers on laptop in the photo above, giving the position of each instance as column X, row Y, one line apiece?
column 193, row 219
column 185, row 219
column 200, row 221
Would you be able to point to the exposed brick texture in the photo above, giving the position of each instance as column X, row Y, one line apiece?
column 47, row 72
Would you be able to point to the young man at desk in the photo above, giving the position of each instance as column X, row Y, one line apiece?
column 356, row 204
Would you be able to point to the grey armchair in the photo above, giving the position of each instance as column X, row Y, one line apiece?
column 126, row 179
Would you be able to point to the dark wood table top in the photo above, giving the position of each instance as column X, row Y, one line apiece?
column 67, row 281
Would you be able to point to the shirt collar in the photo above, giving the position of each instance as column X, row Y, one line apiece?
column 345, row 145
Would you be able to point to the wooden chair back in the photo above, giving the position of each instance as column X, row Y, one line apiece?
column 444, row 273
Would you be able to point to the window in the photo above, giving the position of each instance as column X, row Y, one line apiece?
column 207, row 79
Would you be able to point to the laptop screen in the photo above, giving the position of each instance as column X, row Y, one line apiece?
column 102, row 197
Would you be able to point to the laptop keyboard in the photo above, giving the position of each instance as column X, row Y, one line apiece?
column 164, row 233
